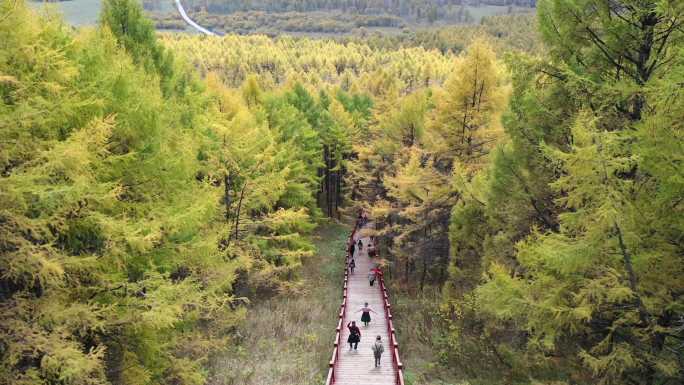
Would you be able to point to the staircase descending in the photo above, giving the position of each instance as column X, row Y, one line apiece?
column 356, row 367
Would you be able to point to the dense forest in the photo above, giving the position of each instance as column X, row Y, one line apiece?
column 415, row 9
column 162, row 195
column 333, row 18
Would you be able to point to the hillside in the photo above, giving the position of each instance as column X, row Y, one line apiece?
column 313, row 20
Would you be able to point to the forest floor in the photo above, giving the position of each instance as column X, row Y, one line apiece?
column 288, row 339
column 416, row 318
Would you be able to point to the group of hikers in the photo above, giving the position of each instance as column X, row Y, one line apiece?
column 355, row 334
column 375, row 272
column 354, row 331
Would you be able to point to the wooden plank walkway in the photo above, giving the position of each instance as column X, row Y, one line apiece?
column 356, row 367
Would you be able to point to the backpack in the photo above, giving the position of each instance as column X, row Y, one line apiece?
column 378, row 348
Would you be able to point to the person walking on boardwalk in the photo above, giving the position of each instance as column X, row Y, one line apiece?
column 352, row 248
column 371, row 276
column 371, row 249
column 365, row 314
column 354, row 335
column 360, row 244
column 352, row 265
column 374, row 274
column 377, row 350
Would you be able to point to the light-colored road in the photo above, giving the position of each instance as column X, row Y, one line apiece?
column 188, row 20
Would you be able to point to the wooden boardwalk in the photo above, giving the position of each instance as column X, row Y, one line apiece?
column 357, row 366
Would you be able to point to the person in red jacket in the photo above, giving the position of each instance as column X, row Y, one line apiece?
column 374, row 274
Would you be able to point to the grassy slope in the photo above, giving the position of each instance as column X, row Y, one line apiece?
column 416, row 320
column 288, row 339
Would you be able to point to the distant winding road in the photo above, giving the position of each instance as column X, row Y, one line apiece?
column 188, row 20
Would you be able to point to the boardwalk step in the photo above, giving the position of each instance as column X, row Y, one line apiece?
column 356, row 368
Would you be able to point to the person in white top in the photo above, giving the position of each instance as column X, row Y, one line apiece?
column 365, row 315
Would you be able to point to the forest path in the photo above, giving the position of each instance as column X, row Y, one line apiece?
column 356, row 367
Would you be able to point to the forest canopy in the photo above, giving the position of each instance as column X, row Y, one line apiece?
column 525, row 177
column 137, row 220
column 334, row 18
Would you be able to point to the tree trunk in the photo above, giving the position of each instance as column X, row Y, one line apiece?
column 319, row 194
column 333, row 198
column 226, row 195
column 422, row 278
column 326, row 160
column 239, row 207
column 339, row 192
column 627, row 259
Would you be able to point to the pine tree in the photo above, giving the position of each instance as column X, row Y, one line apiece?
column 571, row 191
column 467, row 111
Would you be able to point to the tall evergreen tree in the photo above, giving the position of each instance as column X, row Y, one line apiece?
column 580, row 284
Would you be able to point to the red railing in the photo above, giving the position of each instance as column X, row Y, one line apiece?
column 391, row 332
column 340, row 321
column 394, row 345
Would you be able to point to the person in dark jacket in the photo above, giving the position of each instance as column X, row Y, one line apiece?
column 371, row 250
column 354, row 335
column 352, row 265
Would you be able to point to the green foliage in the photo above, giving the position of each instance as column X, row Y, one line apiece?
column 141, row 207
column 467, row 112
column 289, row 22
column 100, row 214
column 135, row 33
column 517, row 33
column 268, row 352
column 383, row 19
column 582, row 274
column 315, row 63
column 417, row 148
column 408, row 8
column 129, row 212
